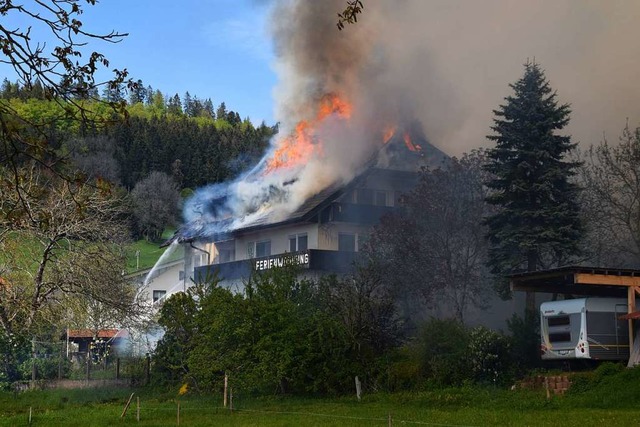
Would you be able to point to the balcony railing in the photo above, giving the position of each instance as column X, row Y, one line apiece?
column 320, row 261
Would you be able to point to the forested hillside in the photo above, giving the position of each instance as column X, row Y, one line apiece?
column 184, row 138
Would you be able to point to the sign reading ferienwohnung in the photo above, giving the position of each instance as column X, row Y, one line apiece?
column 300, row 259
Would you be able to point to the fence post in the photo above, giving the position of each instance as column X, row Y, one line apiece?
column 88, row 365
column 178, row 412
column 60, row 361
column 358, row 388
column 118, row 368
column 224, row 397
column 138, row 408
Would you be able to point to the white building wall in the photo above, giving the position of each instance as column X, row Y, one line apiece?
column 279, row 238
column 167, row 279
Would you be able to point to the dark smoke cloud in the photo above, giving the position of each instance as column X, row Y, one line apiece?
column 449, row 62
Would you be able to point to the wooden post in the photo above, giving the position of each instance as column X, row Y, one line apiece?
column 631, row 301
column 30, row 408
column 60, row 361
column 224, row 396
column 88, row 365
column 358, row 387
column 178, row 412
column 138, row 408
column 124, row 411
column 231, row 399
column 118, row 368
column 546, row 387
column 390, row 421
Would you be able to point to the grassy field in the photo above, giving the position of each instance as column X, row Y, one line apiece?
column 150, row 252
column 446, row 407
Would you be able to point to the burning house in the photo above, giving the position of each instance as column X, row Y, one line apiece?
column 324, row 233
column 347, row 147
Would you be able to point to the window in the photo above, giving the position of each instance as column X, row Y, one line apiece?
column 381, row 198
column 560, row 337
column 559, row 321
column 365, row 196
column 263, row 248
column 157, row 295
column 298, row 242
column 346, row 242
column 181, row 275
column 251, row 249
column 227, row 255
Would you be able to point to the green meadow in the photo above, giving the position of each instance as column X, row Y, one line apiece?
column 608, row 403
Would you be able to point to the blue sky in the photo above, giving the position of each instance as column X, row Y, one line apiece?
column 216, row 49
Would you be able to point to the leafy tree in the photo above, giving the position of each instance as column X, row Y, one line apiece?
column 366, row 310
column 155, row 204
column 538, row 223
column 64, row 71
column 95, row 157
column 435, row 249
column 350, row 13
column 178, row 317
column 63, row 249
column 611, row 178
column 442, row 346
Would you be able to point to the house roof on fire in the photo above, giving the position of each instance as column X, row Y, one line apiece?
column 401, row 155
column 398, row 155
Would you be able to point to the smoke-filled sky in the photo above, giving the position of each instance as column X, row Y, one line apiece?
column 446, row 63
column 450, row 61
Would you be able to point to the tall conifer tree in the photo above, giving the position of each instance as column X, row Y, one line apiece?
column 537, row 224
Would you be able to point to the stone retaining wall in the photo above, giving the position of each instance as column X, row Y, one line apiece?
column 558, row 384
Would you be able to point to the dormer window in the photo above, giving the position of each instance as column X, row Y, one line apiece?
column 381, row 198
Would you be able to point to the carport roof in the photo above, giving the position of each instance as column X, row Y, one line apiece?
column 577, row 280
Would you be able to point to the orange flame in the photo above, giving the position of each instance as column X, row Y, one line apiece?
column 409, row 143
column 298, row 147
column 388, row 133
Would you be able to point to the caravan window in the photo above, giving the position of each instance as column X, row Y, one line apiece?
column 559, row 321
column 559, row 337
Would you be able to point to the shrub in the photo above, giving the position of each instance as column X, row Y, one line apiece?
column 488, row 352
column 403, row 370
column 525, row 341
column 442, row 345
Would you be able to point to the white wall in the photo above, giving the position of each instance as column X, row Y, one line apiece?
column 279, row 238
column 163, row 279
